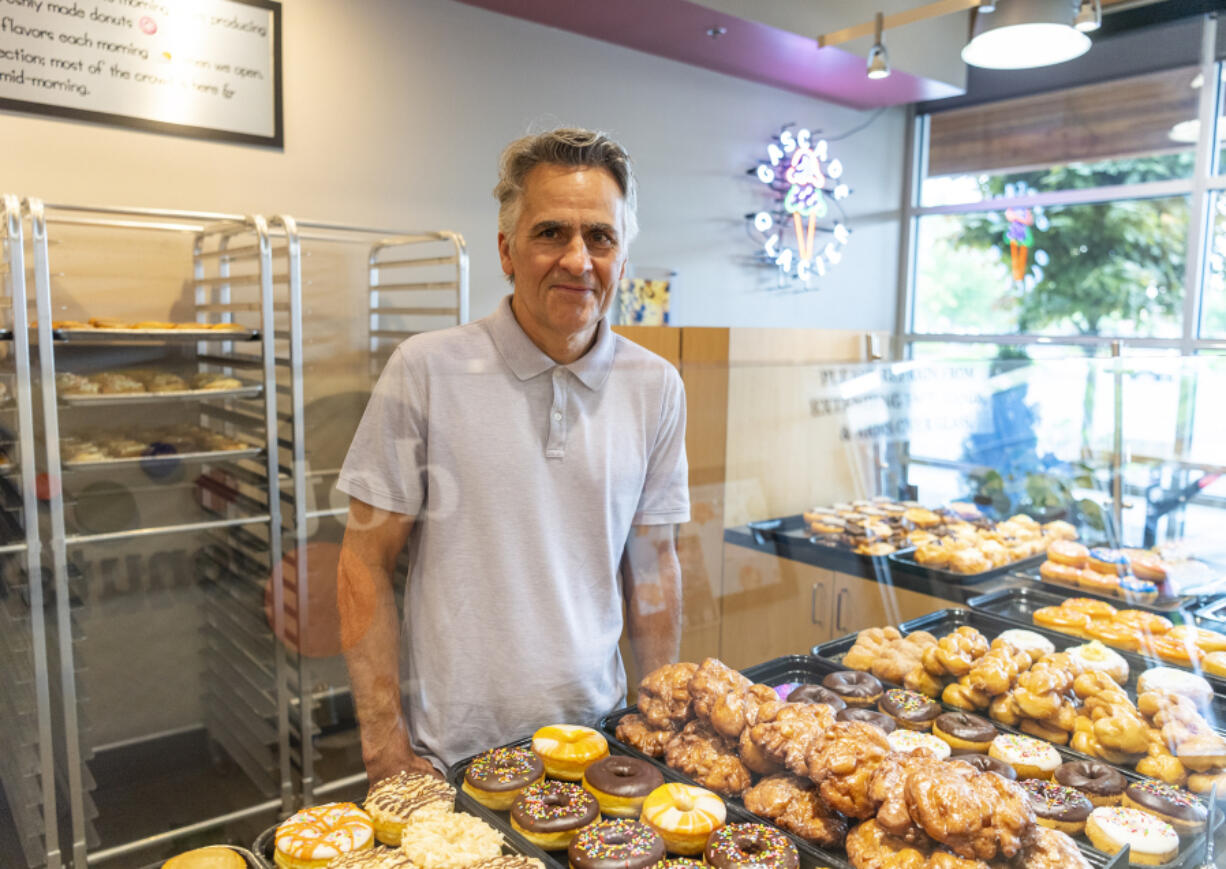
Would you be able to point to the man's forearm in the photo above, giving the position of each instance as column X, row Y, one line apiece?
column 652, row 577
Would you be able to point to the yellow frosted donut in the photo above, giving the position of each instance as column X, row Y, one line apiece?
column 314, row 837
column 568, row 749
column 684, row 816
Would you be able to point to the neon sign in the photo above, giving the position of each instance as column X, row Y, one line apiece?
column 804, row 232
column 1020, row 239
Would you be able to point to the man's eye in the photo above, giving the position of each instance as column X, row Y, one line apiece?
column 602, row 238
column 549, row 233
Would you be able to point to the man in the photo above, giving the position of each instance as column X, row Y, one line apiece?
column 538, row 460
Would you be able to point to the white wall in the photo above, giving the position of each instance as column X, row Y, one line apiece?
column 395, row 114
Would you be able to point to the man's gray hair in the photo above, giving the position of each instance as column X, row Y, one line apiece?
column 562, row 147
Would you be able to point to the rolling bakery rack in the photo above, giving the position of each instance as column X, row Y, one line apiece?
column 252, row 508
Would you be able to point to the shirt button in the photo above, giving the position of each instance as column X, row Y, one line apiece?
column 557, row 417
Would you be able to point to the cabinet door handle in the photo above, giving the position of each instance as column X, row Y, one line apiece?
column 813, row 605
column 838, row 611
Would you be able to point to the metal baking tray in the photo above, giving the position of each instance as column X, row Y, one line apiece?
column 264, row 848
column 811, row 856
column 248, row 391
column 1170, row 606
column 907, row 560
column 794, row 530
column 1017, row 605
column 946, row 621
column 127, row 336
column 143, row 461
column 805, row 669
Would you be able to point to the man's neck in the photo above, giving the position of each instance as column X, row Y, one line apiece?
column 561, row 349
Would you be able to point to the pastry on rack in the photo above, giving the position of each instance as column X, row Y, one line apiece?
column 213, row 380
column 67, row 383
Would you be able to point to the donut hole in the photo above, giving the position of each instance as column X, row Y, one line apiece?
column 752, row 846
column 622, row 770
column 555, row 800
column 616, row 839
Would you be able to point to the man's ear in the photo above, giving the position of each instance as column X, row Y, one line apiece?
column 504, row 255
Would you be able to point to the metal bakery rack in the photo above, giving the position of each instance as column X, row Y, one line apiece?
column 177, row 567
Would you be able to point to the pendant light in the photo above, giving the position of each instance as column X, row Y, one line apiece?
column 1021, row 34
column 1089, row 16
column 878, row 59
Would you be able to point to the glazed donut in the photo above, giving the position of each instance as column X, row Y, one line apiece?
column 964, row 732
column 1173, row 650
column 867, row 716
column 1149, row 623
column 969, row 561
column 921, row 518
column 567, row 749
column 549, row 814
column 208, row 857
column 634, row 730
column 1096, row 657
column 684, row 816
column 907, row 741
column 1146, row 565
column 987, row 763
column 1095, row 609
column 909, row 709
column 1215, row 664
column 312, row 838
column 750, row 846
column 1152, row 841
column 1029, row 758
column 1118, row 634
column 616, row 844
column 394, row 800
column 1055, row 571
column 1168, row 803
column 818, row 694
column 854, row 687
column 1104, row 560
column 933, row 554
column 1044, row 730
column 1103, row 785
column 1058, row 806
column 1099, row 583
column 1068, row 552
column 620, row 784
column 1065, row 621
column 1207, row 641
column 494, row 778
column 1034, row 645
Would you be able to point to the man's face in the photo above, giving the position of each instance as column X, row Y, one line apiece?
column 567, row 254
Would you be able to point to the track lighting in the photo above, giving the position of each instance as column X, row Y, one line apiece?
column 878, row 59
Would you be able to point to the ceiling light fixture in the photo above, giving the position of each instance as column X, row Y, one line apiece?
column 1089, row 16
column 878, row 59
column 1022, row 34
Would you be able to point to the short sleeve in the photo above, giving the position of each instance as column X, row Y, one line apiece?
column 666, row 490
column 386, row 462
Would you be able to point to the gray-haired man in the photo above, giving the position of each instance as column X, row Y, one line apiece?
column 538, row 460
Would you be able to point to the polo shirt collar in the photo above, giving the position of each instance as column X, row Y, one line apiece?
column 527, row 360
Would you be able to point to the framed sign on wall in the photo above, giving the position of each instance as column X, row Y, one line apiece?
column 209, row 69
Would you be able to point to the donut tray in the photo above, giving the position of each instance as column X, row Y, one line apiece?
column 946, row 621
column 1171, row 608
column 1018, row 603
column 906, row 560
column 144, row 336
column 264, row 848
column 792, row 532
column 805, row 669
column 811, row 857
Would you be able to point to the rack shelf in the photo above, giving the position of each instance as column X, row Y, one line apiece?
column 250, row 391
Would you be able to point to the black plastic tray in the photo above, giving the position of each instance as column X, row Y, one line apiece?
column 794, row 530
column 907, row 560
column 1171, row 608
column 265, row 845
column 1017, row 605
column 1213, row 616
column 946, row 621
column 806, row 669
column 811, row 857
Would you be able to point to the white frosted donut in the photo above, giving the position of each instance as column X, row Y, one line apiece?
column 1095, row 656
column 1035, row 645
column 1175, row 681
column 1152, row 841
column 908, row 740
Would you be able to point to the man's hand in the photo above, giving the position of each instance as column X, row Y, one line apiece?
column 651, row 580
column 370, row 635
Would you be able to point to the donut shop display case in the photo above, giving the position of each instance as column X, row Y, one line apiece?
column 190, row 383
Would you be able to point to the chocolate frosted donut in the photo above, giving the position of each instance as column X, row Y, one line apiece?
column 816, row 694
column 1103, row 784
column 854, row 687
column 1166, row 800
column 553, row 807
column 623, row 776
column 741, row 846
column 964, row 731
column 618, row 844
column 682, row 863
column 504, row 769
column 987, row 763
column 910, row 709
column 1057, row 804
column 867, row 716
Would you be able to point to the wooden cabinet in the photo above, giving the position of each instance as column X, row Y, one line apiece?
column 864, row 603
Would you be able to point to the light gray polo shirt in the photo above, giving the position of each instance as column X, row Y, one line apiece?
column 525, row 477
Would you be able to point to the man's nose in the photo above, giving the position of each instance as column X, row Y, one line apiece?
column 577, row 259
